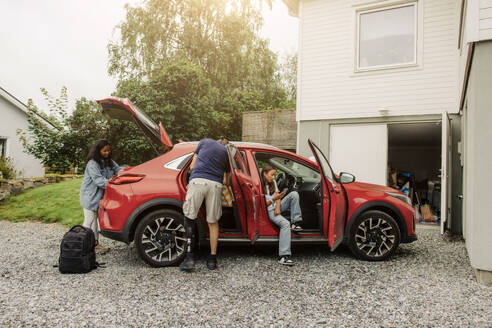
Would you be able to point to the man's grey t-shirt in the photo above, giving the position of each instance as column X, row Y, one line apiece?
column 212, row 161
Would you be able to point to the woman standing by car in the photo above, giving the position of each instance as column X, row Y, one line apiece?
column 98, row 170
column 276, row 204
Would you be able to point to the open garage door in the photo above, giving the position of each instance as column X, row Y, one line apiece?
column 445, row 165
column 361, row 150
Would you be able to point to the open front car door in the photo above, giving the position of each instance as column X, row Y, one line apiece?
column 247, row 198
column 334, row 202
column 124, row 109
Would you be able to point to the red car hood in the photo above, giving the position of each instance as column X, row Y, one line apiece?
column 362, row 186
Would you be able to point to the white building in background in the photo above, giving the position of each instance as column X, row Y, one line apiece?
column 476, row 109
column 406, row 85
column 13, row 116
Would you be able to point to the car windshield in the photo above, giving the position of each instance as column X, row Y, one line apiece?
column 289, row 166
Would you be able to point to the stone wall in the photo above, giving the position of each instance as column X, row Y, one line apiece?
column 11, row 187
column 275, row 127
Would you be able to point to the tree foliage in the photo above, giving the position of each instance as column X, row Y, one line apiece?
column 194, row 65
column 288, row 69
column 7, row 168
column 215, row 41
column 64, row 144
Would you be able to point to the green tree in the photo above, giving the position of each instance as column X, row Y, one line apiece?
column 218, row 40
column 288, row 71
column 64, row 144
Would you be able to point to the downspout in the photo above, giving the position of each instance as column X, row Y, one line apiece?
column 471, row 51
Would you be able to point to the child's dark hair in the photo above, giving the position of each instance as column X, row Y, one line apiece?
column 95, row 154
column 271, row 186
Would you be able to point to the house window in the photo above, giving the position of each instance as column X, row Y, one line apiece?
column 387, row 37
column 3, row 147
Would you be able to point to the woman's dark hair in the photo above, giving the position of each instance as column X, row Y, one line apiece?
column 95, row 154
column 271, row 186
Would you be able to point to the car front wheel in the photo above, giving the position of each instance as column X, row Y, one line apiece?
column 374, row 236
column 160, row 238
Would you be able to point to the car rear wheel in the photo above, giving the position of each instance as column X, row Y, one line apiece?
column 160, row 238
column 374, row 236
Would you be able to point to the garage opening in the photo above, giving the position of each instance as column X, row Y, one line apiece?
column 414, row 166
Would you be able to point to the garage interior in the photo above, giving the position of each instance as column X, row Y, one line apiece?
column 414, row 166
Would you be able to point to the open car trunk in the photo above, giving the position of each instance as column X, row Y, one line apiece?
column 124, row 109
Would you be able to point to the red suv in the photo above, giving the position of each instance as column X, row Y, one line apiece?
column 144, row 203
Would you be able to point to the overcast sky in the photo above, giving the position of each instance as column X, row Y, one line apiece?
column 55, row 43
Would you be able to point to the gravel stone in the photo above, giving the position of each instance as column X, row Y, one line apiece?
column 428, row 284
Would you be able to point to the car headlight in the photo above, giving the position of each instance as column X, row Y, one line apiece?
column 402, row 197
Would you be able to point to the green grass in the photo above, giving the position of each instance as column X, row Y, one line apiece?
column 57, row 202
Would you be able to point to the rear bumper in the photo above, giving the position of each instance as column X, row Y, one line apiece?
column 115, row 235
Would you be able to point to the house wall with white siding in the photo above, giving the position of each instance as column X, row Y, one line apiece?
column 12, row 118
column 476, row 79
column 479, row 20
column 477, row 165
column 329, row 86
column 485, row 17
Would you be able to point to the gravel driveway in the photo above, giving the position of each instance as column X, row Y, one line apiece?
column 428, row 283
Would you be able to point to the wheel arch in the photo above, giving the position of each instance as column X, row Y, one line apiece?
column 378, row 206
column 144, row 209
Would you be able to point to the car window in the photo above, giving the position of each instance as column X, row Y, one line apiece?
column 238, row 159
column 287, row 165
column 178, row 163
column 325, row 166
column 245, row 163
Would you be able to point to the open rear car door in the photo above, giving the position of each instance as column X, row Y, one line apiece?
column 245, row 194
column 334, row 202
column 124, row 109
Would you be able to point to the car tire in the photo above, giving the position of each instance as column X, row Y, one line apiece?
column 374, row 236
column 160, row 238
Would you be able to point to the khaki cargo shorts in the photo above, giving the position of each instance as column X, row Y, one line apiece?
column 198, row 190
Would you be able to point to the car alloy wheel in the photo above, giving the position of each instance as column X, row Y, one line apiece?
column 374, row 236
column 160, row 238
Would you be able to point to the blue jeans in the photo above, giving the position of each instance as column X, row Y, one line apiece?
column 289, row 202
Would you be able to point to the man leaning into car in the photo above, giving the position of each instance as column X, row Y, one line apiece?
column 209, row 167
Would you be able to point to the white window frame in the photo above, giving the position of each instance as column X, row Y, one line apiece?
column 5, row 153
column 418, row 34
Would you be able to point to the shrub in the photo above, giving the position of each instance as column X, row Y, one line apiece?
column 7, row 168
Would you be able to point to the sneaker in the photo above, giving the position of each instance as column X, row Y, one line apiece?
column 285, row 260
column 188, row 264
column 101, row 250
column 296, row 227
column 212, row 262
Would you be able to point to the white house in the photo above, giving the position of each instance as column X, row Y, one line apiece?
column 382, row 85
column 476, row 108
column 13, row 116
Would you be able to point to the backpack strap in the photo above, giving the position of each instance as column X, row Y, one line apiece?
column 100, row 265
column 78, row 226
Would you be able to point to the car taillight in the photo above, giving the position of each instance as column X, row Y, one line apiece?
column 128, row 178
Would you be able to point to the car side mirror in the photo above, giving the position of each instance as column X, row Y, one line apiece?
column 346, row 177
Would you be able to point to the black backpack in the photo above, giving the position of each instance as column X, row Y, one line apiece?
column 77, row 254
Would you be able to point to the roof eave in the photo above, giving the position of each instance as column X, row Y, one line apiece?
column 20, row 105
